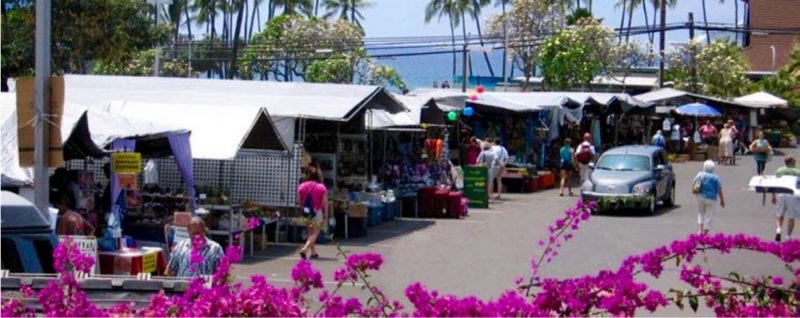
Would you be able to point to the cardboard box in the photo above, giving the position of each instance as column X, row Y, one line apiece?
column 357, row 210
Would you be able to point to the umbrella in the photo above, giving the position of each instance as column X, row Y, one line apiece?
column 698, row 110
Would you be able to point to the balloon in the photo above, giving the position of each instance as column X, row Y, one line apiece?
column 480, row 89
column 473, row 97
column 469, row 111
column 452, row 116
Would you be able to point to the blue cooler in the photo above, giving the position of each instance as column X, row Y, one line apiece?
column 375, row 215
column 389, row 210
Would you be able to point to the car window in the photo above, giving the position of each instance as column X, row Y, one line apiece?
column 658, row 158
column 624, row 163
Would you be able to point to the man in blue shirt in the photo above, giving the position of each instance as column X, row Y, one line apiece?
column 707, row 186
column 658, row 139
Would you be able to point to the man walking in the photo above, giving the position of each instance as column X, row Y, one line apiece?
column 788, row 204
column 658, row 140
column 585, row 154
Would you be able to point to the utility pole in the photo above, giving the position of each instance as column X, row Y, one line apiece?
column 692, row 53
column 662, row 43
column 41, row 159
column 464, row 69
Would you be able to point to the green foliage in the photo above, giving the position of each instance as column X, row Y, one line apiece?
column 720, row 69
column 580, row 14
column 330, row 70
column 578, row 54
column 527, row 23
column 354, row 68
column 141, row 64
column 384, row 75
column 83, row 31
column 786, row 82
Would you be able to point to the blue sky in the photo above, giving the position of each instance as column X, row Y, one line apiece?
column 386, row 18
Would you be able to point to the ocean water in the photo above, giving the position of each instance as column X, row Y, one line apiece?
column 422, row 70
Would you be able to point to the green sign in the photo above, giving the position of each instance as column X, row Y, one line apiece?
column 475, row 185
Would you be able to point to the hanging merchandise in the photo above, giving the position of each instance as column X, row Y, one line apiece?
column 480, row 89
column 473, row 97
column 452, row 116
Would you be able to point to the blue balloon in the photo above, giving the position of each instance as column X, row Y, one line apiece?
column 469, row 111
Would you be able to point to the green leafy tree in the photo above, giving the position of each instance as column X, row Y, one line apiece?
column 83, row 32
column 574, row 56
column 290, row 43
column 786, row 82
column 348, row 10
column 300, row 7
column 446, row 8
column 529, row 22
column 141, row 64
column 355, row 68
column 717, row 69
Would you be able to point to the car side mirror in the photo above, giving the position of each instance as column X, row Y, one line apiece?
column 591, row 165
column 661, row 167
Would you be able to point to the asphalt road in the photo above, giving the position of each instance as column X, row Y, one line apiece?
column 484, row 253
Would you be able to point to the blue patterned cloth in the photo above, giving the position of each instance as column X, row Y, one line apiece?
column 179, row 262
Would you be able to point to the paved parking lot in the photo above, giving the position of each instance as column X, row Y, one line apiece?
column 484, row 253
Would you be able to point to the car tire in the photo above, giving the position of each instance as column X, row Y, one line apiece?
column 653, row 208
column 670, row 201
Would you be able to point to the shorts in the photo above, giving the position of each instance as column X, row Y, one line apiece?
column 494, row 172
column 706, row 210
column 566, row 166
column 788, row 206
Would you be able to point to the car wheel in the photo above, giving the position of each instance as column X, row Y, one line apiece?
column 670, row 201
column 652, row 208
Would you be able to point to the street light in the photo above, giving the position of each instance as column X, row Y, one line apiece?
column 157, row 62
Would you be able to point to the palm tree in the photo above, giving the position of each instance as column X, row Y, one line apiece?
column 705, row 21
column 256, row 10
column 623, row 4
column 503, row 3
column 348, row 10
column 449, row 8
column 632, row 5
column 475, row 8
column 304, row 7
column 577, row 15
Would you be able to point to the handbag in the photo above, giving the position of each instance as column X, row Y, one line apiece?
column 308, row 206
column 696, row 184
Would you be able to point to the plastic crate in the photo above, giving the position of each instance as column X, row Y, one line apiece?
column 375, row 215
column 389, row 211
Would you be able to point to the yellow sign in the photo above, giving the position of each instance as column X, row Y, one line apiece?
column 149, row 262
column 126, row 162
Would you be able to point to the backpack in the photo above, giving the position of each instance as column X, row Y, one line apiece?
column 659, row 142
column 585, row 155
column 308, row 206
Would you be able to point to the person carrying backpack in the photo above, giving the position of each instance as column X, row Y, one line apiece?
column 658, row 140
column 585, row 154
column 312, row 197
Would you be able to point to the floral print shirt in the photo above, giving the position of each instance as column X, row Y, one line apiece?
column 180, row 264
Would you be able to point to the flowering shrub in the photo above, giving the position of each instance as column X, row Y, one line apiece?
column 617, row 292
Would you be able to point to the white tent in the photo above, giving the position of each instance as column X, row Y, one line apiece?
column 533, row 101
column 676, row 97
column 84, row 132
column 307, row 100
column 217, row 132
column 762, row 100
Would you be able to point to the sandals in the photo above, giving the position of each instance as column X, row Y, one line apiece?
column 303, row 255
column 314, row 256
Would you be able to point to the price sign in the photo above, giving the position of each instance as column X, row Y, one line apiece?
column 126, row 162
column 149, row 262
column 476, row 181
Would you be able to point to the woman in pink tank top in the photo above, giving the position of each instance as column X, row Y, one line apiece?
column 314, row 192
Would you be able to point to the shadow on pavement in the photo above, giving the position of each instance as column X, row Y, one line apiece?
column 638, row 213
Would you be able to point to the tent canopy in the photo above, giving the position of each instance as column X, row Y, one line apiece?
column 86, row 133
column 762, row 100
column 674, row 97
column 217, row 132
column 308, row 100
column 419, row 110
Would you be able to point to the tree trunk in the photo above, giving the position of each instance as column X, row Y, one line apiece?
column 736, row 19
column 622, row 20
column 647, row 22
column 271, row 11
column 453, row 38
column 466, row 42
column 188, row 19
column 316, row 8
column 705, row 21
column 352, row 12
column 235, row 55
column 655, row 19
column 480, row 39
column 590, row 6
column 246, row 10
column 252, row 20
column 630, row 20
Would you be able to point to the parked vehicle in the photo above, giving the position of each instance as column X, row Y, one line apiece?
column 27, row 239
column 632, row 177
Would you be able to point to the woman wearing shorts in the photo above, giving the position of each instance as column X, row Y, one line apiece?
column 313, row 192
column 566, row 165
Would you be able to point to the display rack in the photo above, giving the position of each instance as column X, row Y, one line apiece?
column 352, row 159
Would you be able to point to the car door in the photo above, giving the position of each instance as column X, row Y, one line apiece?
column 661, row 176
